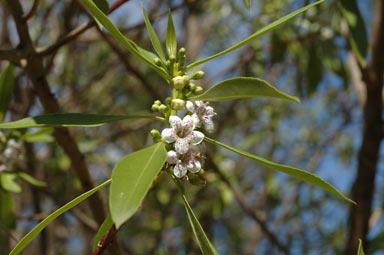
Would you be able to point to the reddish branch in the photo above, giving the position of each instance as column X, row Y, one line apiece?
column 106, row 241
column 28, row 15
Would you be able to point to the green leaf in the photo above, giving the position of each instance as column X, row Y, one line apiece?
column 7, row 181
column 42, row 135
column 242, row 87
column 129, row 44
column 7, row 81
column 7, row 216
column 294, row 172
column 247, row 4
column 36, row 230
column 103, row 5
column 31, row 180
column 205, row 245
column 360, row 250
column 104, row 228
column 357, row 29
column 70, row 120
column 153, row 36
column 131, row 179
column 170, row 40
column 257, row 34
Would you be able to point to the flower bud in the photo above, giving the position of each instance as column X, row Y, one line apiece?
column 155, row 135
column 155, row 108
column 192, row 86
column 198, row 75
column 182, row 51
column 199, row 90
column 178, row 104
column 172, row 58
column 168, row 100
column 163, row 108
column 157, row 102
column 157, row 62
column 178, row 82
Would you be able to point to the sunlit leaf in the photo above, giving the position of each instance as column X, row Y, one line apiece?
column 7, row 181
column 171, row 41
column 36, row 230
column 205, row 245
column 104, row 228
column 31, row 180
column 131, row 179
column 7, row 80
column 294, row 172
column 357, row 29
column 242, row 87
column 129, row 44
column 153, row 36
column 257, row 34
column 70, row 120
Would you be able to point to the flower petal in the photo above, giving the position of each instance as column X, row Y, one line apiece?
column 196, row 120
column 180, row 170
column 208, row 124
column 196, row 137
column 172, row 157
column 182, row 145
column 176, row 123
column 188, row 125
column 194, row 166
column 190, row 106
column 209, row 111
column 169, row 135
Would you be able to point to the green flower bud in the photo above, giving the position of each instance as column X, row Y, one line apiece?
column 157, row 102
column 178, row 104
column 182, row 51
column 172, row 58
column 155, row 108
column 157, row 62
column 155, row 133
column 168, row 100
column 192, row 86
column 198, row 75
column 199, row 90
column 178, row 82
column 163, row 108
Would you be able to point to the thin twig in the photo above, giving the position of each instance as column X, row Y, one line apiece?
column 28, row 15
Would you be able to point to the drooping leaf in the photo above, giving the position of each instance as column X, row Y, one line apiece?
column 7, row 181
column 131, row 179
column 247, row 4
column 242, row 87
column 69, row 120
column 7, row 80
column 31, row 180
column 360, row 250
column 257, row 34
column 103, row 5
column 170, row 40
column 294, row 172
column 36, row 230
column 104, row 228
column 7, row 215
column 153, row 36
column 205, row 245
column 129, row 44
column 357, row 29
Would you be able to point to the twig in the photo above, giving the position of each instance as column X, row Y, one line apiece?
column 28, row 15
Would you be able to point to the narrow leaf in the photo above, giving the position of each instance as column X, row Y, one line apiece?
column 70, row 120
column 153, row 36
column 104, row 228
column 7, row 215
column 42, row 135
column 103, row 5
column 129, row 44
column 357, row 29
column 7, row 80
column 205, row 245
column 242, row 87
column 360, row 250
column 31, row 180
column 36, row 230
column 257, row 34
column 247, row 4
column 7, row 181
column 131, row 179
column 171, row 41
column 294, row 172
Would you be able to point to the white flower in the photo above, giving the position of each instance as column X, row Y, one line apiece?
column 184, row 163
column 182, row 133
column 201, row 114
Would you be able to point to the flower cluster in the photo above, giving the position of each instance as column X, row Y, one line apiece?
column 186, row 140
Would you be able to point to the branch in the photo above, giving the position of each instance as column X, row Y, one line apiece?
column 27, row 16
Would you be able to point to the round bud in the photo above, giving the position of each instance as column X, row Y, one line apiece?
column 178, row 104
column 172, row 58
column 155, row 108
column 157, row 61
column 178, row 82
column 198, row 75
column 157, row 102
column 192, row 86
column 163, row 108
column 182, row 51
column 155, row 133
column 199, row 90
